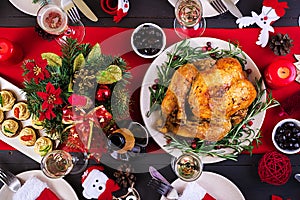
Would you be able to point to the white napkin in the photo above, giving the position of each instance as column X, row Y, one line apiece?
column 194, row 191
column 34, row 189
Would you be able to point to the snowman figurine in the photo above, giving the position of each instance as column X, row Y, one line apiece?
column 96, row 185
column 272, row 10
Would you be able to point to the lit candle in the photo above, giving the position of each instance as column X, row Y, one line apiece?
column 10, row 53
column 280, row 73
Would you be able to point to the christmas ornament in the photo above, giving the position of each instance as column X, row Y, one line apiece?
column 274, row 168
column 280, row 73
column 272, row 10
column 103, row 93
column 297, row 64
column 96, row 184
column 118, row 11
column 281, row 44
column 10, row 52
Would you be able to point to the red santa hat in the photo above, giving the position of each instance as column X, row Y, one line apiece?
column 94, row 176
column 34, row 188
column 279, row 7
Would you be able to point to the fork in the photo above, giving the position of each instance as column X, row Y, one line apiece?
column 159, row 186
column 69, row 7
column 10, row 180
column 218, row 5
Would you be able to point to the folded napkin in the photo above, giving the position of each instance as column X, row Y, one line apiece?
column 194, row 191
column 34, row 189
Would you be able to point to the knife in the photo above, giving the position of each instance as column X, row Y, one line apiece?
column 85, row 10
column 232, row 8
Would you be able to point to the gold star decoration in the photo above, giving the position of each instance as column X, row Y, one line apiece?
column 297, row 64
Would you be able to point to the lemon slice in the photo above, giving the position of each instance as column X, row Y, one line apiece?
column 112, row 74
column 79, row 62
column 53, row 59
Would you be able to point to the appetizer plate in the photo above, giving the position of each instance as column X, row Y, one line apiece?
column 28, row 7
column 208, row 10
column 59, row 186
column 149, row 80
column 216, row 185
column 14, row 141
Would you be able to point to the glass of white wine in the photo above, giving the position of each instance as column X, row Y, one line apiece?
column 189, row 21
column 53, row 20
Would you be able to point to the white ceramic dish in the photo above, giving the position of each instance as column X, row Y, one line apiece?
column 163, row 40
column 274, row 133
column 216, row 185
column 208, row 10
column 28, row 7
column 14, row 142
column 151, row 75
column 59, row 186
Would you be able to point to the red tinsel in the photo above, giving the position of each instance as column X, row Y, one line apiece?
column 274, row 168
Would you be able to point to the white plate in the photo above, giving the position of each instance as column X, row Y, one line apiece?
column 208, row 10
column 28, row 7
column 59, row 186
column 151, row 75
column 14, row 141
column 216, row 185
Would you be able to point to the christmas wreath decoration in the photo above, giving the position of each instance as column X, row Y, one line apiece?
column 72, row 94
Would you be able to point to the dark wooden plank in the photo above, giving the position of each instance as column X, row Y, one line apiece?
column 157, row 11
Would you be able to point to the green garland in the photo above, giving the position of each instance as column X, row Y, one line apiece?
column 241, row 135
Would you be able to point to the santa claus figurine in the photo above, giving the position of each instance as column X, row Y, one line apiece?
column 96, row 185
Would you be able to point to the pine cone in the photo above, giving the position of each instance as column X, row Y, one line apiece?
column 124, row 176
column 281, row 44
column 84, row 82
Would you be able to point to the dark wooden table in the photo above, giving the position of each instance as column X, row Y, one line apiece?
column 243, row 173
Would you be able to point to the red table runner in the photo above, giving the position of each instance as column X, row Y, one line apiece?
column 116, row 41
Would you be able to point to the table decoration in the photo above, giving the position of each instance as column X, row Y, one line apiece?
column 274, row 168
column 280, row 73
column 119, row 11
column 61, row 90
column 272, row 10
column 10, row 52
column 281, row 44
column 297, row 64
column 239, row 137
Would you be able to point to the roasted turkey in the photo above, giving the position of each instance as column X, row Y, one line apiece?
column 205, row 100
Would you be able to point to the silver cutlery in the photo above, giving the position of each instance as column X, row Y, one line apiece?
column 297, row 177
column 162, row 185
column 233, row 9
column 9, row 179
column 85, row 10
column 218, row 5
column 69, row 7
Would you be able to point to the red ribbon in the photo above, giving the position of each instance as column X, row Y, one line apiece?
column 279, row 7
column 118, row 10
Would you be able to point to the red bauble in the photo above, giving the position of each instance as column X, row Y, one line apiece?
column 280, row 73
column 103, row 93
column 274, row 168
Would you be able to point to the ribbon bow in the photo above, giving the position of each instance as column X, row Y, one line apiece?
column 279, row 7
column 119, row 11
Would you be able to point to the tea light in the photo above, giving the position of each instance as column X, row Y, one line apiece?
column 10, row 53
column 280, row 73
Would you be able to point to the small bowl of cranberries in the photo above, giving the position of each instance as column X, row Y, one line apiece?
column 286, row 136
column 148, row 40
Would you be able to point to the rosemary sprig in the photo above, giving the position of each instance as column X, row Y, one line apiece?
column 238, row 139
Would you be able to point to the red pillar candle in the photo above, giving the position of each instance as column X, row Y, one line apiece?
column 10, row 53
column 280, row 73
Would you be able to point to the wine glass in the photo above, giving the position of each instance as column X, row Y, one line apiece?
column 52, row 19
column 188, row 166
column 59, row 163
column 189, row 21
